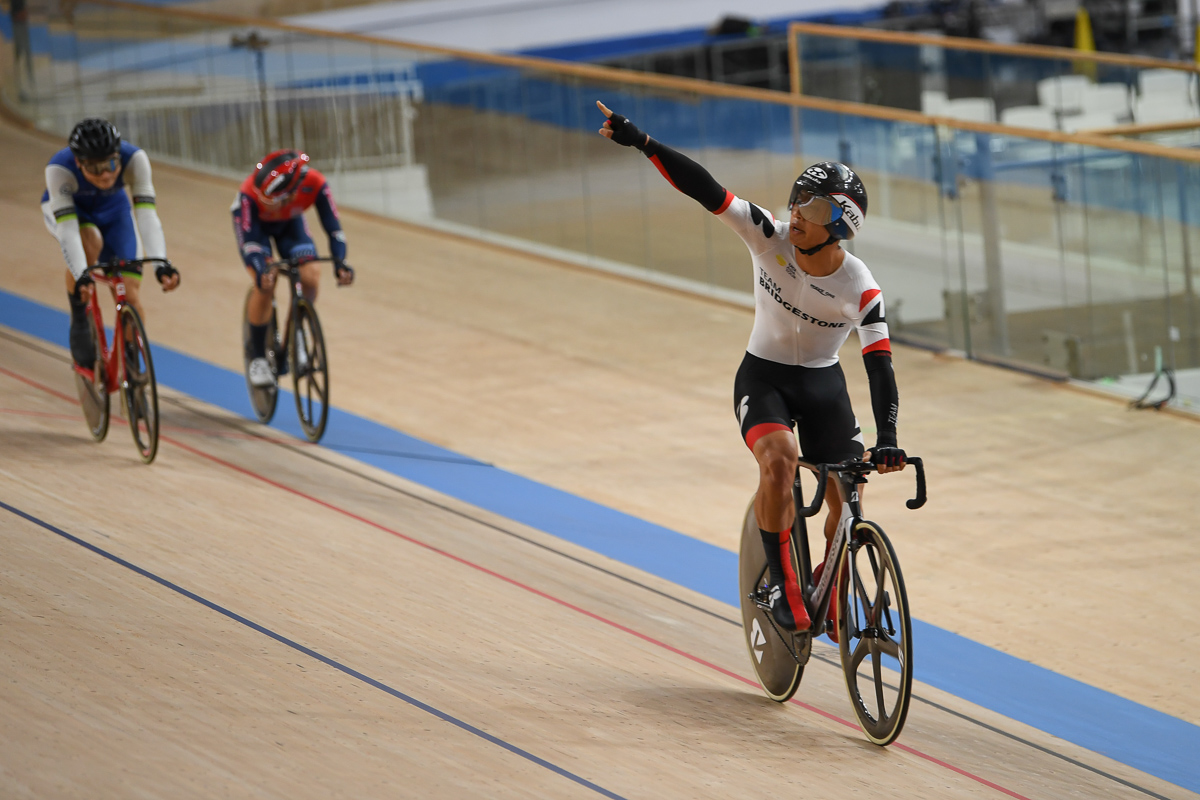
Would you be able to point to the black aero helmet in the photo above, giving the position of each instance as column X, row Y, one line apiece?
column 94, row 139
column 831, row 194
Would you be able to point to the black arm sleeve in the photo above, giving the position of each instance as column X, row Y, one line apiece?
column 686, row 175
column 885, row 398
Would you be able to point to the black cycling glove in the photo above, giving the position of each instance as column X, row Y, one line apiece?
column 887, row 456
column 83, row 280
column 625, row 133
column 165, row 270
column 340, row 268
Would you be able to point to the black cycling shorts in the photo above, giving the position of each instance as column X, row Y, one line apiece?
column 769, row 396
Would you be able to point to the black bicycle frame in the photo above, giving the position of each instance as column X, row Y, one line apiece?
column 850, row 474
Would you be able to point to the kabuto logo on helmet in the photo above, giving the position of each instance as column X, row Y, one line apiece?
column 817, row 173
column 850, row 211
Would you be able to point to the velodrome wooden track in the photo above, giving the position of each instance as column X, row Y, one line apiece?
column 251, row 616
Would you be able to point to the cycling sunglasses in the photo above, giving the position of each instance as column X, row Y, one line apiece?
column 815, row 208
column 110, row 164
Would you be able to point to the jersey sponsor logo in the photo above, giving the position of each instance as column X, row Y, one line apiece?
column 774, row 290
column 763, row 220
column 819, row 290
column 783, row 262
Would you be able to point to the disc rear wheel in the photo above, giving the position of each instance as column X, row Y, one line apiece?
column 310, row 370
column 875, row 633
column 777, row 655
column 93, row 394
column 138, row 387
column 262, row 398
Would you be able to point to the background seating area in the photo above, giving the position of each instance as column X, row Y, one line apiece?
column 1076, row 103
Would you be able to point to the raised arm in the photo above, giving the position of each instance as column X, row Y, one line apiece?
column 684, row 174
column 754, row 224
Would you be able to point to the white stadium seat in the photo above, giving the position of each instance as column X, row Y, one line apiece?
column 1094, row 120
column 1064, row 93
column 932, row 102
column 974, row 109
column 1106, row 97
column 1154, row 108
column 1039, row 117
column 1164, row 81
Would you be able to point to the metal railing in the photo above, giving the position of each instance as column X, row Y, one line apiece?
column 1069, row 253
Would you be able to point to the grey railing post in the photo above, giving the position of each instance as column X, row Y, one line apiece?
column 990, row 228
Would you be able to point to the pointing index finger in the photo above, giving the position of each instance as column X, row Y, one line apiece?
column 604, row 109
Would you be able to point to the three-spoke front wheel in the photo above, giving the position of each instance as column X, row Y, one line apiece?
column 310, row 369
column 138, row 387
column 875, row 633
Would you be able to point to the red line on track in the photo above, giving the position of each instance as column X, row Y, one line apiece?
column 513, row 582
column 178, row 428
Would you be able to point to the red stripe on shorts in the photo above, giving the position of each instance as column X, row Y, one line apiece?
column 762, row 429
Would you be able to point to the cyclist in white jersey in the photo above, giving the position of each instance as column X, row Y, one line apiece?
column 808, row 294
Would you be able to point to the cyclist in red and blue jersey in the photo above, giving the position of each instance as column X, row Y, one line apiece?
column 86, row 209
column 808, row 294
column 271, row 205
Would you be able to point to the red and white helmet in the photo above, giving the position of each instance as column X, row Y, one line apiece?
column 279, row 174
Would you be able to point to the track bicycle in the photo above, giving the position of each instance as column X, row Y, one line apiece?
column 125, row 367
column 873, row 627
column 298, row 349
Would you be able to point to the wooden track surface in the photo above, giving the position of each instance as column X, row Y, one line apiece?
column 1060, row 530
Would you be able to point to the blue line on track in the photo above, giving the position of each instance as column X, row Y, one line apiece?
column 1133, row 734
column 353, row 673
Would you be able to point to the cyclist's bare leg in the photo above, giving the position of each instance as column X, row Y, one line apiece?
column 775, row 511
column 777, row 454
column 258, row 310
column 310, row 277
column 133, row 294
column 93, row 243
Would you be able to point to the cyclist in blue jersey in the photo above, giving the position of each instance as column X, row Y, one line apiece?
column 86, row 209
column 808, row 295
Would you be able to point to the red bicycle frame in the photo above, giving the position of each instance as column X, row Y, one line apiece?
column 109, row 357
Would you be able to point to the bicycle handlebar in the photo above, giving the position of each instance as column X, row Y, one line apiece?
column 815, row 506
column 296, row 262
column 919, row 500
column 108, row 267
column 863, row 467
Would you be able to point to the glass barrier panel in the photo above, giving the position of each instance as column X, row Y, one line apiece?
column 1062, row 257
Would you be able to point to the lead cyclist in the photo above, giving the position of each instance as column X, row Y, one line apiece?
column 808, row 294
column 86, row 209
